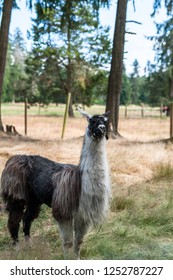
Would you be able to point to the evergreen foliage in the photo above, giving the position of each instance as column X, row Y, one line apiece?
column 69, row 45
column 70, row 52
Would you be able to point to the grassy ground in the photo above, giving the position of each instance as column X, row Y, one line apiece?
column 140, row 222
column 139, row 226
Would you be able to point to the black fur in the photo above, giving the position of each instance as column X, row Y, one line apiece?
column 27, row 183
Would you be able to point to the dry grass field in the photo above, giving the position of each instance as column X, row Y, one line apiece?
column 140, row 222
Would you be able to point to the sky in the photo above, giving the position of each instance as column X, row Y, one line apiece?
column 136, row 46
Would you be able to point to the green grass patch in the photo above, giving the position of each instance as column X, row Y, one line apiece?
column 120, row 203
column 17, row 109
column 163, row 171
column 140, row 226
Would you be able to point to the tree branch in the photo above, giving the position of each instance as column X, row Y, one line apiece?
column 131, row 33
column 133, row 21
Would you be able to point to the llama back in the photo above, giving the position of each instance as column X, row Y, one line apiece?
column 14, row 178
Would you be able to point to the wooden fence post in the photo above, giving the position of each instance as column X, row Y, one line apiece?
column 65, row 115
column 26, row 104
column 161, row 110
column 125, row 111
column 142, row 111
column 171, row 120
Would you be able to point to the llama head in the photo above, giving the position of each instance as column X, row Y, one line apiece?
column 97, row 124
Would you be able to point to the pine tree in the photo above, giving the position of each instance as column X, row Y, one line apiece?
column 116, row 72
column 72, row 32
column 4, row 31
column 163, row 41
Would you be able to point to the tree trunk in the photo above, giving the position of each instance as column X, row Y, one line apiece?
column 69, row 66
column 115, row 76
column 171, row 87
column 4, row 31
column 171, row 82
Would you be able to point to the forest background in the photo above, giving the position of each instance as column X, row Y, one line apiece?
column 71, row 51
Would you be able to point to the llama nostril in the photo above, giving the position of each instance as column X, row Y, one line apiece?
column 102, row 128
column 99, row 131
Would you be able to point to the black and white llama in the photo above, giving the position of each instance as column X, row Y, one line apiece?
column 78, row 194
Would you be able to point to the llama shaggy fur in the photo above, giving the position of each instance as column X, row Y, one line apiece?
column 78, row 194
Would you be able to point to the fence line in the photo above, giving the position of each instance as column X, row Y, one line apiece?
column 143, row 112
column 152, row 122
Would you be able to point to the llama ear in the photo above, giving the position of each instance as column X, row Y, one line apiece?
column 106, row 115
column 85, row 114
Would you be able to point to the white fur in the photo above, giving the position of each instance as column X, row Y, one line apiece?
column 95, row 191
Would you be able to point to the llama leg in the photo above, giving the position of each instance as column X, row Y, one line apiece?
column 80, row 229
column 15, row 209
column 66, row 230
column 32, row 212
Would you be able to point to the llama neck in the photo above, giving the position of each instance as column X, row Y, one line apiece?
column 93, row 154
column 95, row 187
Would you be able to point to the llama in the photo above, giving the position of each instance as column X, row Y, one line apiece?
column 78, row 194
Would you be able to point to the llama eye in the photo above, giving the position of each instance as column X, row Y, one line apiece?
column 92, row 122
column 104, row 120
